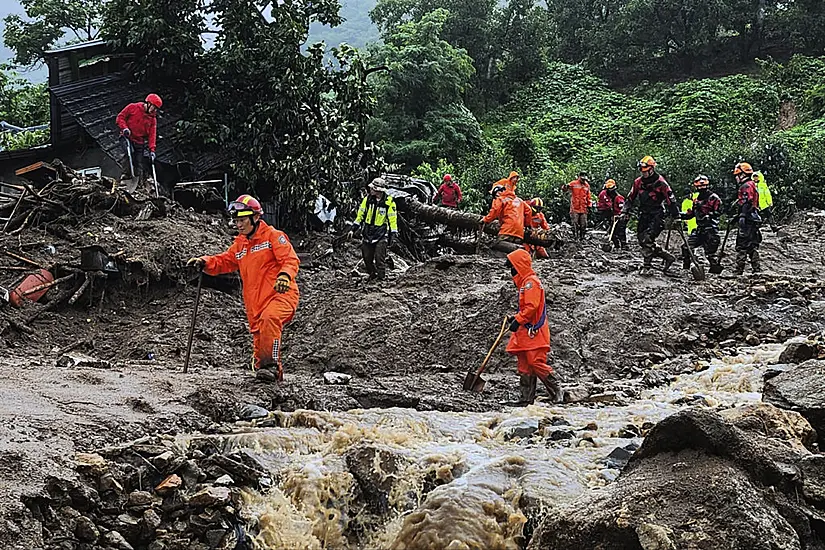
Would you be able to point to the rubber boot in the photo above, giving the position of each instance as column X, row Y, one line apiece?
column 668, row 258
column 270, row 373
column 551, row 384
column 740, row 263
column 527, row 389
column 755, row 265
column 685, row 258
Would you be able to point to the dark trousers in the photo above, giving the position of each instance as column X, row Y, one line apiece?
column 707, row 238
column 375, row 258
column 619, row 233
column 139, row 158
column 647, row 231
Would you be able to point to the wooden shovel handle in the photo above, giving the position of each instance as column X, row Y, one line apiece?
column 492, row 349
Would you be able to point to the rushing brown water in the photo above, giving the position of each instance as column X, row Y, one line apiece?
column 481, row 473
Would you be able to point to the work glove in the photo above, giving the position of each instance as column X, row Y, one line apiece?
column 514, row 325
column 196, row 262
column 126, row 132
column 152, row 155
column 282, row 283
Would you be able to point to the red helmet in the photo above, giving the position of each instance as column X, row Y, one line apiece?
column 448, row 178
column 245, row 205
column 154, row 99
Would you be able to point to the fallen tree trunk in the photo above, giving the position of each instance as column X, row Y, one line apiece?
column 552, row 238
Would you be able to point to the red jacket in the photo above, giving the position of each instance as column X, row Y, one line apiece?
column 605, row 202
column 142, row 125
column 511, row 211
column 260, row 260
column 450, row 194
column 533, row 332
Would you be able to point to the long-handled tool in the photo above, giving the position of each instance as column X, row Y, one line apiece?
column 192, row 324
column 155, row 179
column 608, row 246
column 131, row 162
column 473, row 381
column 716, row 267
column 696, row 270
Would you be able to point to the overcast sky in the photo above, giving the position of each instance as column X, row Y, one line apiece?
column 7, row 7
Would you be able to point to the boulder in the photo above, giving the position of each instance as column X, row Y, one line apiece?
column 85, row 530
column 374, row 469
column 798, row 352
column 252, row 412
column 517, row 428
column 337, row 378
column 813, row 478
column 697, row 481
column 801, row 389
column 211, row 496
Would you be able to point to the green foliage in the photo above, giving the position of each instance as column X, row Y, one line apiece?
column 21, row 102
column 23, row 140
column 164, row 35
column 47, row 23
column 420, row 114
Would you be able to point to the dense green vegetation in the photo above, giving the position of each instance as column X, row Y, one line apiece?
column 22, row 104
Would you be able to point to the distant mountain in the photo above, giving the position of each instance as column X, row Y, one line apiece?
column 356, row 30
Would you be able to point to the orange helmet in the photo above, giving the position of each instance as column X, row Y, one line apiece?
column 647, row 164
column 743, row 168
column 610, row 184
column 701, row 182
column 245, row 205
column 154, row 99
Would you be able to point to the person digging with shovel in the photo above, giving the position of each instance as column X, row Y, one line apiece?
column 706, row 209
column 656, row 199
column 530, row 338
column 268, row 266
column 138, row 126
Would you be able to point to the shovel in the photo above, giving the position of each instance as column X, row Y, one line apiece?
column 127, row 183
column 473, row 381
column 696, row 270
column 155, row 179
column 192, row 324
column 716, row 268
column 608, row 246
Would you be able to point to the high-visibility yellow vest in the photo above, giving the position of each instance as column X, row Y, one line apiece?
column 687, row 204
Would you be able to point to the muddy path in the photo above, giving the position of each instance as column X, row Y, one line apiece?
column 407, row 343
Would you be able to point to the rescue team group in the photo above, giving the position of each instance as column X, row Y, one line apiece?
column 268, row 264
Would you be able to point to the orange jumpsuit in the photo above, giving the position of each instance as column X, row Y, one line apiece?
column 537, row 220
column 531, row 342
column 507, row 182
column 511, row 211
column 260, row 259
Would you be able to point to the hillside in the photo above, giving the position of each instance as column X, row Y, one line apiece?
column 356, row 30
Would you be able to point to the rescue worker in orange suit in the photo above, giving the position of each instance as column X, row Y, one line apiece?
column 509, row 183
column 656, row 199
column 138, row 126
column 748, row 236
column 580, row 202
column 537, row 221
column 604, row 204
column 530, row 338
column 268, row 266
column 449, row 193
column 511, row 212
column 707, row 207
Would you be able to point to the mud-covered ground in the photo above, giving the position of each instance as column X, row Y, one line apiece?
column 408, row 342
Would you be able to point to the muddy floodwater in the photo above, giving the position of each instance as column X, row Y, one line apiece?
column 458, row 480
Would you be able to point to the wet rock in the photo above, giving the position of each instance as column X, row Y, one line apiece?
column 696, row 482
column 211, row 496
column 90, row 462
column 694, row 400
column 813, row 477
column 83, row 497
column 150, row 520
column 249, row 411
column 629, row 432
column 116, row 540
column 618, row 458
column 139, row 501
column 576, row 394
column 374, row 470
column 85, row 530
column 214, row 537
column 797, row 352
column 801, row 389
column 163, row 460
column 766, row 420
column 74, row 360
column 653, row 378
column 613, row 398
column 517, row 428
column 191, row 473
column 560, row 435
column 108, row 484
column 775, row 370
column 241, row 467
column 224, row 480
column 336, row 378
column 128, row 526
column 169, row 485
